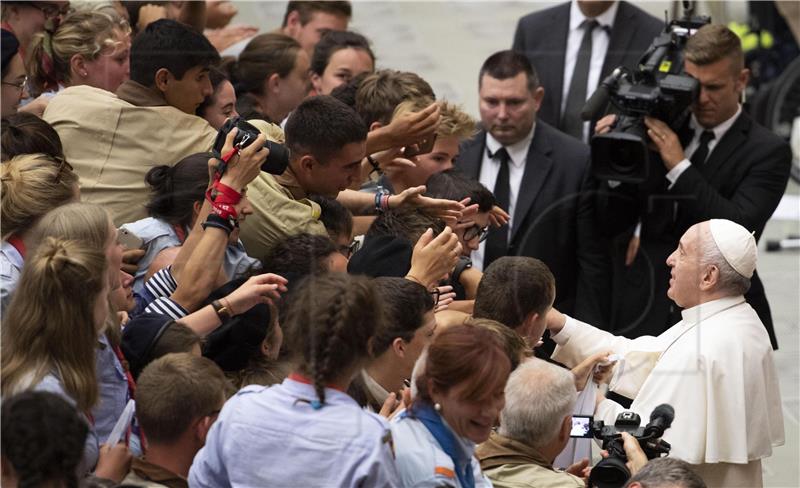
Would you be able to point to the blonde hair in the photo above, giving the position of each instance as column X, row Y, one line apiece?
column 32, row 185
column 49, row 326
column 515, row 346
column 454, row 122
column 713, row 42
column 88, row 34
column 84, row 222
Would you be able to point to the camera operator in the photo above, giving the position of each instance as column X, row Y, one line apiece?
column 721, row 164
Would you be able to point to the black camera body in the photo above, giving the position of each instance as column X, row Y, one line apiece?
column 278, row 158
column 659, row 88
column 612, row 472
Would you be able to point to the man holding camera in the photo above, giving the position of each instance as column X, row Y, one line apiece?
column 722, row 164
column 714, row 367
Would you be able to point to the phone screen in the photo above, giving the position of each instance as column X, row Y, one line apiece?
column 581, row 426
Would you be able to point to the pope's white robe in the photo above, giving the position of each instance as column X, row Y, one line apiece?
column 715, row 367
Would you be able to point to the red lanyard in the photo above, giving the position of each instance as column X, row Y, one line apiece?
column 18, row 245
column 180, row 232
column 128, row 375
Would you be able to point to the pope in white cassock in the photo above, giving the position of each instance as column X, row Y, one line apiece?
column 715, row 367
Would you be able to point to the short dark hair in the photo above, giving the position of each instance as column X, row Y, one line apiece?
column 25, row 133
column 667, row 472
column 455, row 185
column 381, row 92
column 264, row 56
column 42, row 438
column 306, row 8
column 175, row 390
column 405, row 304
column 299, row 255
column 336, row 218
column 406, row 223
column 346, row 92
column 512, row 287
column 171, row 45
column 503, row 65
column 333, row 41
column 175, row 189
column 321, row 126
column 176, row 338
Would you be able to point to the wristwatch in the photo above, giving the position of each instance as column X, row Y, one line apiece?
column 223, row 312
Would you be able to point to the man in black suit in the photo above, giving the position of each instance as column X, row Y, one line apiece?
column 541, row 176
column 573, row 55
column 721, row 165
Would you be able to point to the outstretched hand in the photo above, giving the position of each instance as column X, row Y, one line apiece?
column 261, row 288
column 434, row 257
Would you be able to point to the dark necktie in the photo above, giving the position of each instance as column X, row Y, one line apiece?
column 701, row 153
column 571, row 122
column 497, row 240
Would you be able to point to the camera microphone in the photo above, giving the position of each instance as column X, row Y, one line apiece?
column 599, row 99
column 660, row 420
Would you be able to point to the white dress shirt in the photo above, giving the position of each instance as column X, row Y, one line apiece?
column 600, row 38
column 518, row 153
column 719, row 132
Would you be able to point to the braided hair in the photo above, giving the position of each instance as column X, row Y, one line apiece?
column 329, row 324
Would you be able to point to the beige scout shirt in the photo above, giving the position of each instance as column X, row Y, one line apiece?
column 112, row 141
column 511, row 464
column 280, row 210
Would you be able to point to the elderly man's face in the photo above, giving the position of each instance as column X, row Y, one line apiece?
column 685, row 277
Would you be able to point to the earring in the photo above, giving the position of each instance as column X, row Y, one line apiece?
column 437, row 407
column 85, row 74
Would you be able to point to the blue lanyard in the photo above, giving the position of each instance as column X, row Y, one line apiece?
column 431, row 419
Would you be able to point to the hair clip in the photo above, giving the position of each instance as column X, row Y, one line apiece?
column 316, row 404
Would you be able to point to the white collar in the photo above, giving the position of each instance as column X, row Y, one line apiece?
column 703, row 311
column 518, row 152
column 606, row 19
column 378, row 392
column 719, row 130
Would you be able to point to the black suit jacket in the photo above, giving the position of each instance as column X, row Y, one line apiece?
column 554, row 217
column 742, row 180
column 542, row 37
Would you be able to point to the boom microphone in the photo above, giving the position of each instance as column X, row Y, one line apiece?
column 596, row 104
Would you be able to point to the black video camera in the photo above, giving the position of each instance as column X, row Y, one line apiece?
column 612, row 472
column 278, row 158
column 659, row 88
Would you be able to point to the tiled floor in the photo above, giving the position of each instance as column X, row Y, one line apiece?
column 446, row 42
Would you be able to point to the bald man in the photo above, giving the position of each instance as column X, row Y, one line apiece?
column 715, row 367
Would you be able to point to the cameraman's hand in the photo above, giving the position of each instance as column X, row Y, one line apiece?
column 605, row 124
column 434, row 258
column 636, row 457
column 114, row 462
column 261, row 288
column 665, row 141
column 244, row 167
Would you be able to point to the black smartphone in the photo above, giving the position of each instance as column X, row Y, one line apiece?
column 422, row 147
column 581, row 426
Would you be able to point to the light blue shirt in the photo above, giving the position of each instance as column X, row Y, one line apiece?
column 270, row 436
column 158, row 235
column 113, row 386
column 10, row 269
column 422, row 463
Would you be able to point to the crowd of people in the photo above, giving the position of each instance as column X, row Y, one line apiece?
column 233, row 258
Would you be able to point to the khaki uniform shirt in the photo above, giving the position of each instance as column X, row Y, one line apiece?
column 149, row 475
column 112, row 141
column 511, row 464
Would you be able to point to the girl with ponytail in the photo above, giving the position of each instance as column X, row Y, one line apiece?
column 307, row 431
column 177, row 193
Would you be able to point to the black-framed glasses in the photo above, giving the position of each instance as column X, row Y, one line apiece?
column 20, row 85
column 349, row 249
column 476, row 231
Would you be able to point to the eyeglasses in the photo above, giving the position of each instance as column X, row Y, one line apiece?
column 349, row 249
column 476, row 231
column 50, row 10
column 62, row 163
column 20, row 85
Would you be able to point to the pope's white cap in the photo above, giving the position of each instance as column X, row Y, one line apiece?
column 737, row 245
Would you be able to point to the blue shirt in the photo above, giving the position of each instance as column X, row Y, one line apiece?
column 113, row 387
column 271, row 436
column 10, row 269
